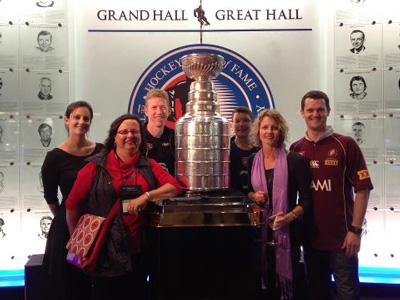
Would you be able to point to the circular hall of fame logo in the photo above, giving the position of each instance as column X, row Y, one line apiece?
column 239, row 83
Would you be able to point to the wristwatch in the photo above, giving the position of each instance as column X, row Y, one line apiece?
column 355, row 230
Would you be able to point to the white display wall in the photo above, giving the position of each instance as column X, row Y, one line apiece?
column 103, row 52
column 27, row 68
column 370, row 114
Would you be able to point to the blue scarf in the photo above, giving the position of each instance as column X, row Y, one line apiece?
column 280, row 204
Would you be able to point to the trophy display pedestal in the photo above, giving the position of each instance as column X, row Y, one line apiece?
column 212, row 251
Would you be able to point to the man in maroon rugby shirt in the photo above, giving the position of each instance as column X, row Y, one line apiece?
column 338, row 172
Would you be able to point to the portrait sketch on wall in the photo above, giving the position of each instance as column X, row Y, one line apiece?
column 44, row 47
column 356, row 47
column 367, row 132
column 35, row 229
column 358, row 88
column 44, row 93
column 45, row 223
column 45, row 134
column 40, row 135
column 357, row 40
column 358, row 93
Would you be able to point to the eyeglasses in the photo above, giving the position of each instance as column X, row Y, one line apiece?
column 126, row 132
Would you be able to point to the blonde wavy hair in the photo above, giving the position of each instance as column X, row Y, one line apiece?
column 280, row 121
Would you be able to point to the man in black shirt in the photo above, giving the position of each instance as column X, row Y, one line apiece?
column 160, row 140
column 241, row 148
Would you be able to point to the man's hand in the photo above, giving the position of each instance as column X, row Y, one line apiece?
column 351, row 244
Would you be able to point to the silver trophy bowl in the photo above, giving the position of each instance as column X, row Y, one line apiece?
column 202, row 142
column 202, row 66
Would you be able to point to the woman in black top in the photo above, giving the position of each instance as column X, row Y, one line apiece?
column 276, row 178
column 59, row 170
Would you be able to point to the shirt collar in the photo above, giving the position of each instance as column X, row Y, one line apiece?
column 328, row 132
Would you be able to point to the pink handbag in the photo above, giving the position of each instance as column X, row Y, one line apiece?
column 83, row 240
column 88, row 238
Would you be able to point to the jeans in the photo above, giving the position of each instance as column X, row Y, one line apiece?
column 319, row 267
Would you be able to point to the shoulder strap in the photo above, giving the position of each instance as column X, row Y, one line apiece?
column 144, row 168
column 102, row 170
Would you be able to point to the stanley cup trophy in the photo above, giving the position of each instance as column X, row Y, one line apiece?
column 197, row 235
column 202, row 135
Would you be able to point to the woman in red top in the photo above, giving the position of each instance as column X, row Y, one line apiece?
column 120, row 171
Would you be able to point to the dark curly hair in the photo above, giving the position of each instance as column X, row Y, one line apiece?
column 109, row 143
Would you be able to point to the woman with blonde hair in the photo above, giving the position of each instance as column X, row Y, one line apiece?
column 277, row 176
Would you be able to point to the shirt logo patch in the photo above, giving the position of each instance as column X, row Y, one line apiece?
column 165, row 144
column 332, row 160
column 314, row 164
column 333, row 153
column 325, row 185
column 363, row 174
